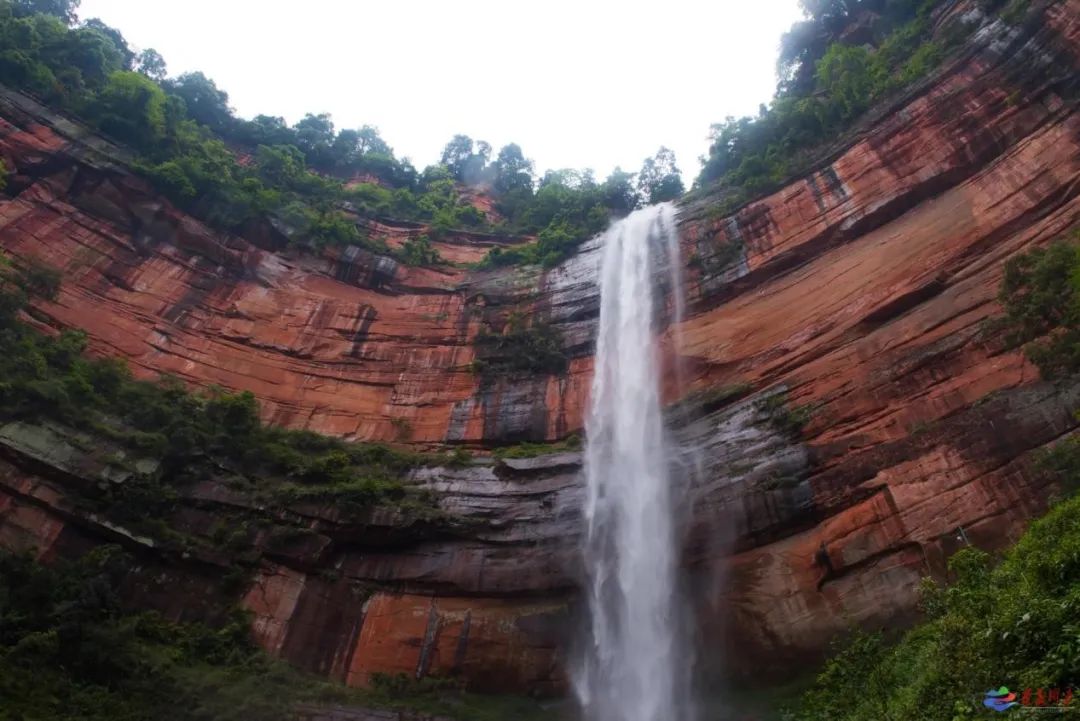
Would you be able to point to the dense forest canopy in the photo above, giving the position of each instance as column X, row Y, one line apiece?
column 232, row 171
column 833, row 65
column 314, row 178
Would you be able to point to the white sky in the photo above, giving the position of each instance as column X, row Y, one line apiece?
column 576, row 83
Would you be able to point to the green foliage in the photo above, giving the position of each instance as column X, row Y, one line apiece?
column 1062, row 462
column 466, row 160
column 567, row 209
column 1014, row 625
column 659, row 180
column 826, row 85
column 65, row 10
column 131, row 107
column 1040, row 292
column 68, row 650
column 150, row 63
column 442, row 695
column 537, row 348
column 3, row 175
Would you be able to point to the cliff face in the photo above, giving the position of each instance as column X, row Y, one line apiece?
column 858, row 291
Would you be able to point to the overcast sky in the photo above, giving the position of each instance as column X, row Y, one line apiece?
column 576, row 83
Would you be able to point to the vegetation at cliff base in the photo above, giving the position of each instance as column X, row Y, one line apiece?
column 71, row 650
column 1013, row 624
column 68, row 650
column 1013, row 621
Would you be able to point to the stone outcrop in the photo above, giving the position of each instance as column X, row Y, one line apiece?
column 858, row 292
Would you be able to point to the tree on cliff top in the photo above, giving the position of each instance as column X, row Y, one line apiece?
column 466, row 160
column 833, row 65
column 513, row 171
column 150, row 63
column 63, row 9
column 204, row 101
column 132, row 108
column 659, row 180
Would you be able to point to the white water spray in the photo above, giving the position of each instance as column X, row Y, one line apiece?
column 635, row 666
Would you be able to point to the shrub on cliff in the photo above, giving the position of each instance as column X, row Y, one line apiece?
column 419, row 251
column 1040, row 292
column 536, row 348
column 192, row 434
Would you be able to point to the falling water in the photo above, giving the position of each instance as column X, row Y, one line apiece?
column 635, row 667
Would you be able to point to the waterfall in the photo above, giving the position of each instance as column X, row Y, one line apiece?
column 635, row 665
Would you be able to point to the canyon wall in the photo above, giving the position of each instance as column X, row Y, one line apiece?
column 858, row 292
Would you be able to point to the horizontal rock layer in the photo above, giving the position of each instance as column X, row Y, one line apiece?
column 859, row 290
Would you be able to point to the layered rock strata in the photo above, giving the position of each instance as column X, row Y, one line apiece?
column 856, row 295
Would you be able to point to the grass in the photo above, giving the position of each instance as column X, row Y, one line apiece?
column 533, row 450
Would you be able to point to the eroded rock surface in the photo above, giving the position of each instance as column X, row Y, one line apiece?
column 859, row 290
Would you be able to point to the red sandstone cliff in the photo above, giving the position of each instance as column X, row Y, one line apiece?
column 859, row 288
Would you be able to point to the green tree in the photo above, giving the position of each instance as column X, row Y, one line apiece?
column 370, row 141
column 419, row 251
column 467, row 161
column 315, row 138
column 618, row 193
column 1040, row 292
column 850, row 76
column 456, row 154
column 265, row 130
column 280, row 165
column 659, row 180
column 132, row 108
column 512, row 170
column 63, row 9
column 84, row 56
column 205, row 103
column 116, row 38
column 150, row 63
